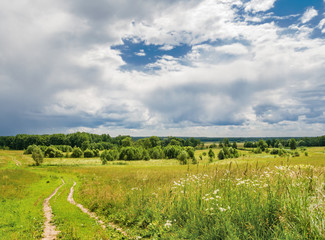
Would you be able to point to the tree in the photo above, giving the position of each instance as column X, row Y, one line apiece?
column 30, row 149
column 37, row 155
column 155, row 141
column 211, row 153
column 88, row 153
column 262, row 145
column 234, row 145
column 221, row 155
column 226, row 142
column 127, row 142
column 146, row 155
column 76, row 152
column 182, row 157
column 293, row 144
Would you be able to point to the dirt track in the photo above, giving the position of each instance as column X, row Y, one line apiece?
column 92, row 214
column 50, row 232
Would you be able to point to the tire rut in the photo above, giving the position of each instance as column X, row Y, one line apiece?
column 50, row 232
column 93, row 215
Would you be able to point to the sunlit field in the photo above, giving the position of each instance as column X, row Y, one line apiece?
column 255, row 196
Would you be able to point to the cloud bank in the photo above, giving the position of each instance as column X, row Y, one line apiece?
column 185, row 68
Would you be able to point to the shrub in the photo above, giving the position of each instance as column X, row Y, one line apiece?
column 30, row 149
column 146, row 155
column 76, row 153
column 172, row 151
column 211, row 153
column 37, row 156
column 156, row 153
column 106, row 156
column 52, row 152
column 182, row 157
column 221, row 155
column 88, row 153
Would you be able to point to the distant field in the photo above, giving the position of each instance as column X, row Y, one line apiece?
column 256, row 196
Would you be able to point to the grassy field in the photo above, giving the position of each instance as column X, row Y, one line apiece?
column 257, row 196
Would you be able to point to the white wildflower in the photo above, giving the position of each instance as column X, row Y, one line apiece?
column 168, row 224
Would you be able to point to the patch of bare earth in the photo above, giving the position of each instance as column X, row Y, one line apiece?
column 50, row 232
column 92, row 214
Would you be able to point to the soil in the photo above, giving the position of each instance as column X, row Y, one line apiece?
column 50, row 232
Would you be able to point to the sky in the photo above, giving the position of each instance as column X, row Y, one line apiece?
column 214, row 68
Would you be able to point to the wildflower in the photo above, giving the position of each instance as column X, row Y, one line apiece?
column 216, row 191
column 222, row 209
column 168, row 224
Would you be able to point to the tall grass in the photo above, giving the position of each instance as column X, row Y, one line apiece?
column 283, row 202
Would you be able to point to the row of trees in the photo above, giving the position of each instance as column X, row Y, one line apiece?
column 128, row 153
column 91, row 141
column 274, row 143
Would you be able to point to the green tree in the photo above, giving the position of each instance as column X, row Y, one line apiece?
column 76, row 152
column 88, row 153
column 226, row 142
column 146, row 155
column 211, row 153
column 127, row 142
column 293, row 144
column 262, row 145
column 221, row 155
column 37, row 156
column 182, row 157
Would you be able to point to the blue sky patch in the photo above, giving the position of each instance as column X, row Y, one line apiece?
column 138, row 54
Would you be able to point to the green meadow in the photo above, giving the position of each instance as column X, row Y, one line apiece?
column 255, row 196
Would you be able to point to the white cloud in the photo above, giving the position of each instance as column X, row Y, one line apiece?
column 141, row 53
column 321, row 25
column 259, row 5
column 309, row 14
column 239, row 79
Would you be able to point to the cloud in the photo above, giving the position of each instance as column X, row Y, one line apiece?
column 60, row 71
column 321, row 25
column 259, row 5
column 308, row 15
column 141, row 53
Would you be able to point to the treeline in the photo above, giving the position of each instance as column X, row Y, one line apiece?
column 287, row 143
column 90, row 141
column 302, row 141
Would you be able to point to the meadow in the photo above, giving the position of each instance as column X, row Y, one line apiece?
column 256, row 196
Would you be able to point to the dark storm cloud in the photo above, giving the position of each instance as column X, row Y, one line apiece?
column 203, row 104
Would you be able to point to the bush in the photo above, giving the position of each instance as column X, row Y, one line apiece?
column 172, row 151
column 221, row 155
column 156, row 153
column 88, row 153
column 37, row 156
column 76, row 153
column 106, row 156
column 52, row 152
column 30, row 149
column 145, row 156
column 257, row 150
column 182, row 157
column 211, row 153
